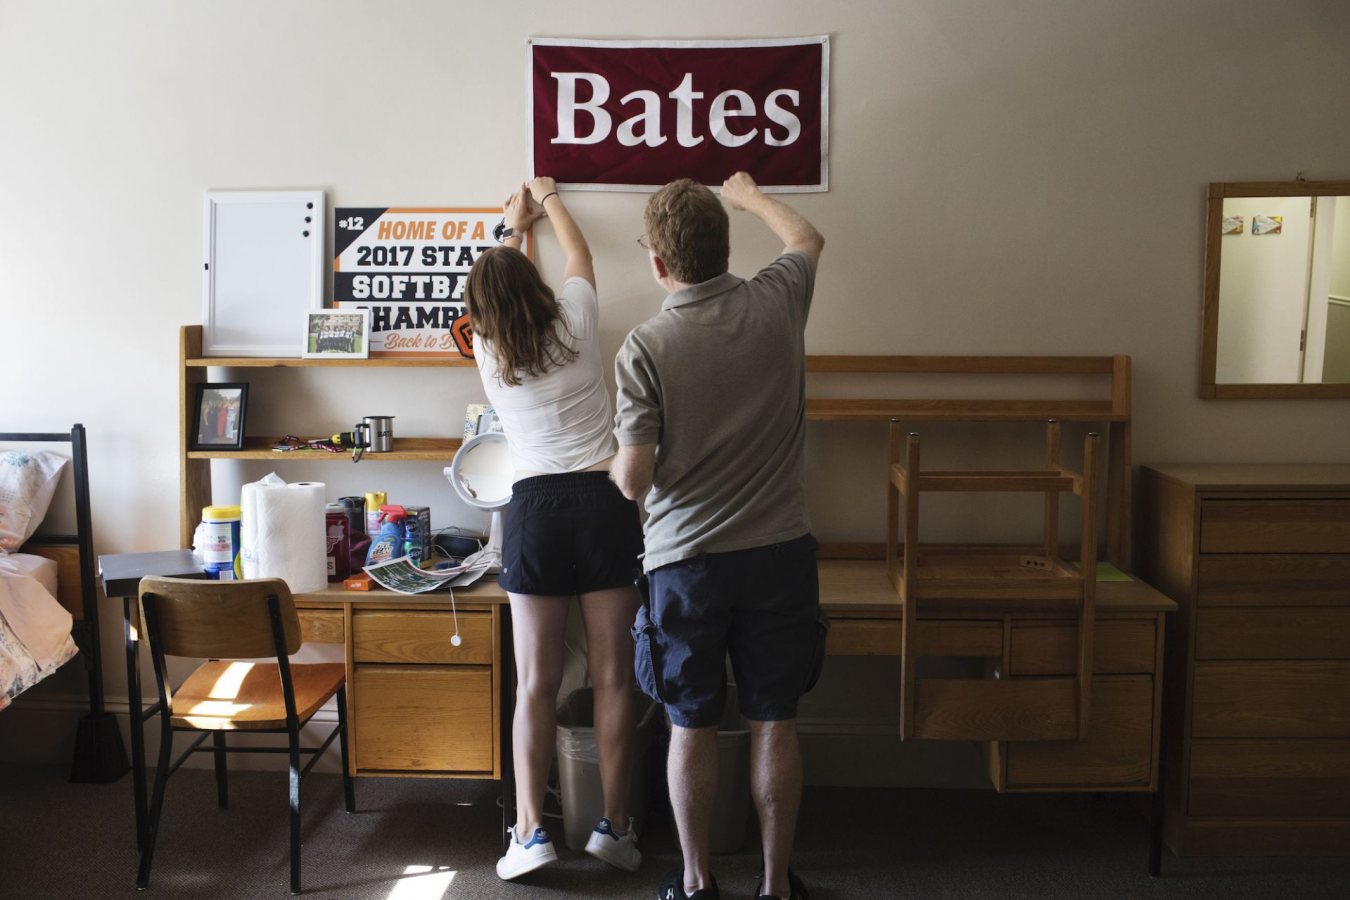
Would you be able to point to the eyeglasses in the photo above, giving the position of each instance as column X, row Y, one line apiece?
column 643, row 242
column 291, row 442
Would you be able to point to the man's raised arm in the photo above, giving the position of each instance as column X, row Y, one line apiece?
column 792, row 229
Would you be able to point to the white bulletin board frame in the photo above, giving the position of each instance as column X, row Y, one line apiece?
column 263, row 266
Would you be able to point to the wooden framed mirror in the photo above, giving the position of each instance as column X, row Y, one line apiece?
column 1276, row 315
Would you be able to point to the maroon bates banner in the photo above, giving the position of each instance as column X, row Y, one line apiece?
column 633, row 115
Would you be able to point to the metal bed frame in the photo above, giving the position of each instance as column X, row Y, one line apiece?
column 99, row 754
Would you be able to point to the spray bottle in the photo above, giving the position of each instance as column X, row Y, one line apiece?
column 390, row 542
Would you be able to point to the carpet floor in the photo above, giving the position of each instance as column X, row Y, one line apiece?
column 420, row 839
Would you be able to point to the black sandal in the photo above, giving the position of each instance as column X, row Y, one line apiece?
column 798, row 889
column 672, row 888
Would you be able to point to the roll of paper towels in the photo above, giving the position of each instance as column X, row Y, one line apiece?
column 282, row 533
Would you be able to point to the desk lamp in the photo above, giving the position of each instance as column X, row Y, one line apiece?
column 481, row 474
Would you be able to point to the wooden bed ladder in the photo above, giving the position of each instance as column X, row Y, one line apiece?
column 962, row 601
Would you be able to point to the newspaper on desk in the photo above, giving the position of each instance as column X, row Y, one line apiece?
column 403, row 576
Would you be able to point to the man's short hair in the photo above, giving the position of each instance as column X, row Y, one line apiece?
column 688, row 228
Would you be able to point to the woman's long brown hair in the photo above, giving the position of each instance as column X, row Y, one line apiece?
column 512, row 307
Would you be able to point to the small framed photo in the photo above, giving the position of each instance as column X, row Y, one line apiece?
column 337, row 334
column 218, row 417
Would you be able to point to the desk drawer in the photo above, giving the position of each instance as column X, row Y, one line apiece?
column 421, row 637
column 1284, row 699
column 1270, row 778
column 1287, row 633
column 321, row 626
column 1121, row 647
column 863, row 637
column 1275, row 526
column 1117, row 753
column 883, row 637
column 423, row 718
column 1268, row 580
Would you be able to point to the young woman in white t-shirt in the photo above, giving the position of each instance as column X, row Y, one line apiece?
column 568, row 530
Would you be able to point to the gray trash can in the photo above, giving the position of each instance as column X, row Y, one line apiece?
column 583, row 800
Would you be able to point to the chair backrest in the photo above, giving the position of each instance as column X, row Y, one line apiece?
column 220, row 619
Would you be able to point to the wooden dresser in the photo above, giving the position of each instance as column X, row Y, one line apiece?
column 417, row 704
column 1257, row 699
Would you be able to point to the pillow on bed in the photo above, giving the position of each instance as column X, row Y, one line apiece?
column 27, row 482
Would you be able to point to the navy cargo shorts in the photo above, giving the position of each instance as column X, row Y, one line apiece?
column 761, row 606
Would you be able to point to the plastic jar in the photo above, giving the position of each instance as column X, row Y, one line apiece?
column 220, row 541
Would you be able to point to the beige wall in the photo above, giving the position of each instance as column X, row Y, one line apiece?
column 1006, row 178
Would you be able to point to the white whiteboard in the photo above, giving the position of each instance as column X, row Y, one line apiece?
column 264, row 266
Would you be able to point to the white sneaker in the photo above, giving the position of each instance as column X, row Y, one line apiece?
column 619, row 850
column 521, row 858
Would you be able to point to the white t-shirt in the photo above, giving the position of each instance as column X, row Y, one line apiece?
column 558, row 421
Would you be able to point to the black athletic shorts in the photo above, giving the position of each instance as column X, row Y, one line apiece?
column 569, row 534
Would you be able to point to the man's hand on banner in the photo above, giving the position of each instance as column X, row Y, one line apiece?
column 740, row 191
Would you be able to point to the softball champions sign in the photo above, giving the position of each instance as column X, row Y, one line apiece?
column 407, row 266
column 633, row 115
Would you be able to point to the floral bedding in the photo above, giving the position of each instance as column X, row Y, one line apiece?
column 34, row 628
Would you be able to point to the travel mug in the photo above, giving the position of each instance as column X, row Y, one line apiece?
column 381, row 433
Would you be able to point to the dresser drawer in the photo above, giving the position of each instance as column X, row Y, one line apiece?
column 321, row 626
column 1117, row 753
column 1285, row 633
column 421, row 637
column 1270, row 778
column 424, row 719
column 1275, row 526
column 1288, row 699
column 1271, row 580
column 1122, row 646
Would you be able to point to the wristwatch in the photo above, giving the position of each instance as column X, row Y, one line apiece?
column 501, row 233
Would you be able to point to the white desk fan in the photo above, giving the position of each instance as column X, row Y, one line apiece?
column 481, row 474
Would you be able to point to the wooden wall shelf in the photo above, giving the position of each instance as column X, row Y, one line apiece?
column 946, row 410
column 405, row 450
column 195, row 465
column 249, row 362
column 1108, row 376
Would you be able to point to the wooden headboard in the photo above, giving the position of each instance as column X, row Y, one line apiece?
column 69, row 588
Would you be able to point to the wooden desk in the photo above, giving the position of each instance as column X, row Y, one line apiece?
column 1122, row 749
column 416, row 704
column 440, row 707
column 1122, row 752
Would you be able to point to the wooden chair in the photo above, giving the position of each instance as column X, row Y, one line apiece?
column 964, row 601
column 235, row 620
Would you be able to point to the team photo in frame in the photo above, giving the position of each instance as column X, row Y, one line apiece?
column 337, row 334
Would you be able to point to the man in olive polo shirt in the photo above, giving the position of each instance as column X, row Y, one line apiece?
column 711, row 419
